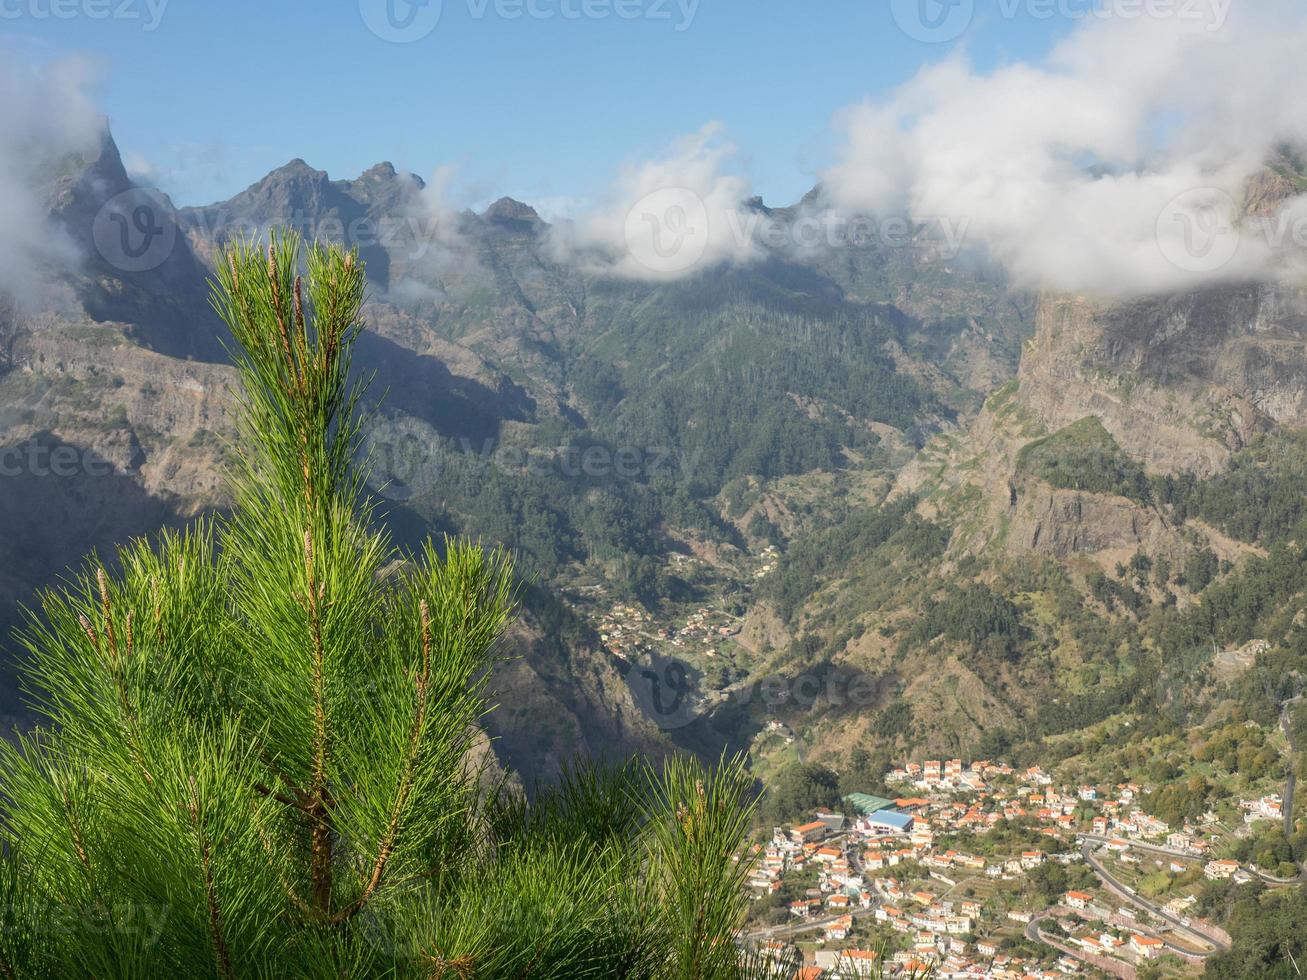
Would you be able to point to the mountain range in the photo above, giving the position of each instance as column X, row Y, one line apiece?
column 997, row 517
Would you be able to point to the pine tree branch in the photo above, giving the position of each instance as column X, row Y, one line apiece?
column 301, row 906
column 387, row 847
column 75, row 829
column 220, row 951
column 299, row 804
column 130, row 722
column 462, row 968
column 294, row 369
column 320, row 871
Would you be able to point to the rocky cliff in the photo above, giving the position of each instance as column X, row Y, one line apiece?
column 491, row 345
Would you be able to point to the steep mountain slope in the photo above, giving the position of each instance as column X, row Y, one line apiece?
column 1116, row 535
column 607, row 430
column 137, row 269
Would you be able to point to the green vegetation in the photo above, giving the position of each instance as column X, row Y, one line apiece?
column 258, row 756
column 856, row 538
column 747, row 374
column 975, row 616
column 1257, row 498
column 1050, row 881
column 1084, row 456
column 1269, row 938
column 801, row 788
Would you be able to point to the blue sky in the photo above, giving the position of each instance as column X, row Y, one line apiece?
column 542, row 109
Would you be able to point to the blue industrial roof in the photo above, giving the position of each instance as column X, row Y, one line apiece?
column 892, row 818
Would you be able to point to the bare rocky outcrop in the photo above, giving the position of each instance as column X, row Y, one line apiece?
column 1180, row 382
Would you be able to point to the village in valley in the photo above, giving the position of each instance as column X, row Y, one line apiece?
column 946, row 868
column 980, row 870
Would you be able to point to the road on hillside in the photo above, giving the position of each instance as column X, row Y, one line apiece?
column 1107, row 964
column 1270, row 879
column 804, row 925
column 1122, row 891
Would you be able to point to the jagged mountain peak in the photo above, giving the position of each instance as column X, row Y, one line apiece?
column 385, row 170
column 511, row 212
column 298, row 188
column 296, row 167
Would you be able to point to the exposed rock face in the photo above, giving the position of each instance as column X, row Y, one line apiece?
column 368, row 212
column 1063, row 523
column 1180, row 382
column 164, row 303
column 477, row 332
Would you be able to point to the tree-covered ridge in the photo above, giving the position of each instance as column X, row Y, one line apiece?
column 1084, row 456
column 1257, row 498
column 1059, row 645
column 851, row 540
column 675, row 411
column 258, row 756
column 767, row 372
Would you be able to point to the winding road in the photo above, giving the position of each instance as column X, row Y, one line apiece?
column 1269, row 879
column 1118, row 968
column 1128, row 894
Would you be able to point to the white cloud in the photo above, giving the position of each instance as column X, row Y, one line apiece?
column 141, row 170
column 45, row 114
column 427, row 245
column 668, row 217
column 1114, row 167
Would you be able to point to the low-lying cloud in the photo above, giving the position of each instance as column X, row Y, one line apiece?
column 668, row 217
column 1119, row 166
column 45, row 114
column 434, row 247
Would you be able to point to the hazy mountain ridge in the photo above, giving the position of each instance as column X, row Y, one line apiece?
column 486, row 342
column 1122, row 507
column 778, row 402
